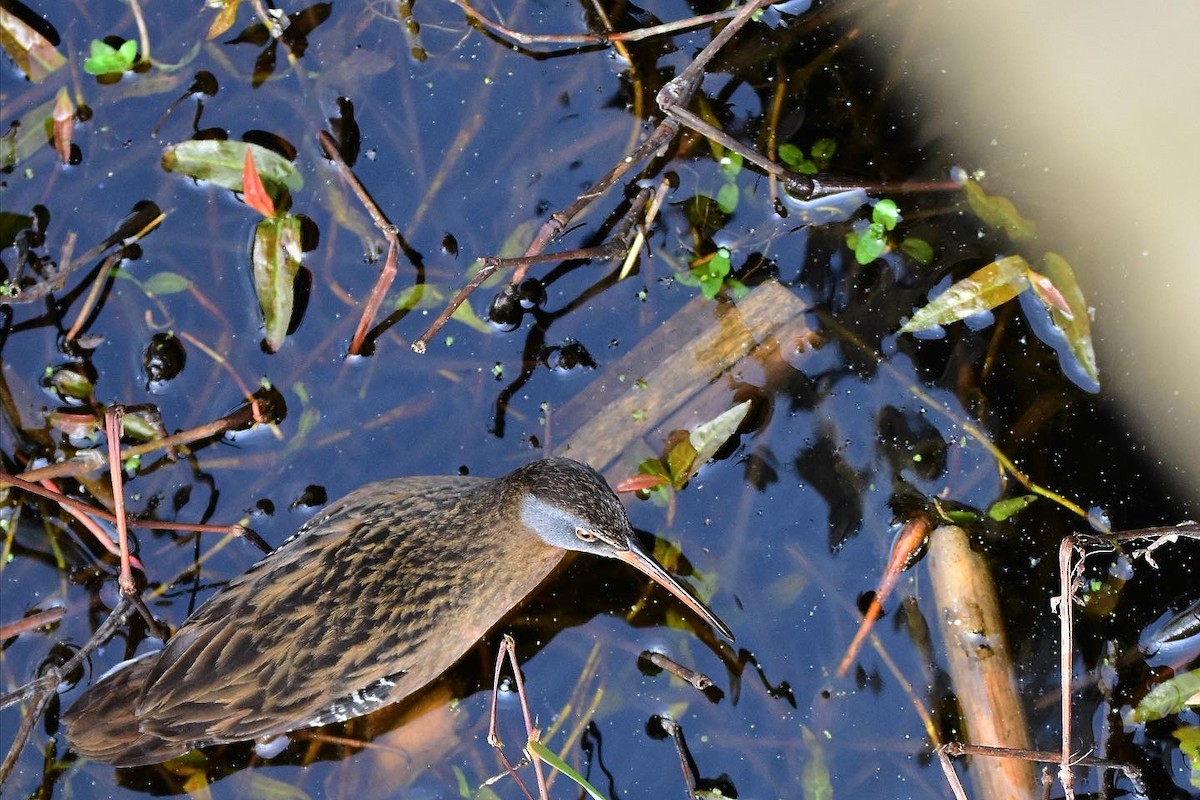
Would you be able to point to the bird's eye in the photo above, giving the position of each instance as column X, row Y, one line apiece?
column 584, row 535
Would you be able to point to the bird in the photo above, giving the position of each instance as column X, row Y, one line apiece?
column 369, row 601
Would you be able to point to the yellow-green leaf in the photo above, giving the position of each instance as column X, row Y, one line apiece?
column 1171, row 696
column 1003, row 509
column 982, row 290
column 999, row 212
column 1077, row 326
column 222, row 163
column 546, row 754
column 815, row 781
column 275, row 255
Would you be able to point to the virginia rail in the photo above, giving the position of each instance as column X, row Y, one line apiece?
column 368, row 602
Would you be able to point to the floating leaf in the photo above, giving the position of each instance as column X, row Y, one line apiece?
column 886, row 213
column 867, row 240
column 709, row 437
column 275, row 255
column 983, row 290
column 999, row 212
column 108, row 60
column 1076, row 325
column 32, row 52
column 223, row 162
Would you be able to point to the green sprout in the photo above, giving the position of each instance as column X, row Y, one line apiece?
column 108, row 60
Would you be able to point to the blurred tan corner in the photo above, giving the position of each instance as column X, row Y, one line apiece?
column 1088, row 116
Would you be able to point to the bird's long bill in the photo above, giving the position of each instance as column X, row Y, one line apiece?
column 636, row 557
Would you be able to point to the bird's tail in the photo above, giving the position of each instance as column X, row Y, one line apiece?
column 102, row 726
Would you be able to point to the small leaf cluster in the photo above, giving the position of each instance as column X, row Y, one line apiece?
column 869, row 240
column 108, row 60
column 711, row 274
column 817, row 160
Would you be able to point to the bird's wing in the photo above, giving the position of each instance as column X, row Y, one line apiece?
column 327, row 627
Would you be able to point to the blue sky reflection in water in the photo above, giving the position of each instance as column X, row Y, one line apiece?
column 480, row 143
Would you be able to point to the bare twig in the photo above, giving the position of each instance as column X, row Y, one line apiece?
column 508, row 648
column 43, row 688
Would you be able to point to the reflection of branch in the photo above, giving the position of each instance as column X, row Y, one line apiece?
column 593, row 38
column 88, row 460
column 390, row 232
column 554, row 226
column 45, row 687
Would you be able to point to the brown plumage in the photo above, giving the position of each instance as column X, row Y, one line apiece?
column 368, row 602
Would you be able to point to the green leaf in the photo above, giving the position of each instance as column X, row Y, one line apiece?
column 166, row 282
column 107, row 60
column 27, row 135
column 1006, row 508
column 427, row 295
column 681, row 461
column 545, row 754
column 918, row 250
column 999, row 212
column 275, row 255
column 886, row 214
column 983, row 290
column 1172, row 696
column 823, row 150
column 222, row 163
column 815, row 781
column 870, row 244
column 791, row 155
column 709, row 272
column 731, row 164
column 1189, row 745
column 727, row 197
column 1076, row 326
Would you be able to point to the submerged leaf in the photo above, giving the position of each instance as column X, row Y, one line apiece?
column 222, row 163
column 983, row 290
column 1003, row 509
column 999, row 212
column 30, row 51
column 276, row 256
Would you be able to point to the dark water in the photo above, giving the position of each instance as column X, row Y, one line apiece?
column 478, row 142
